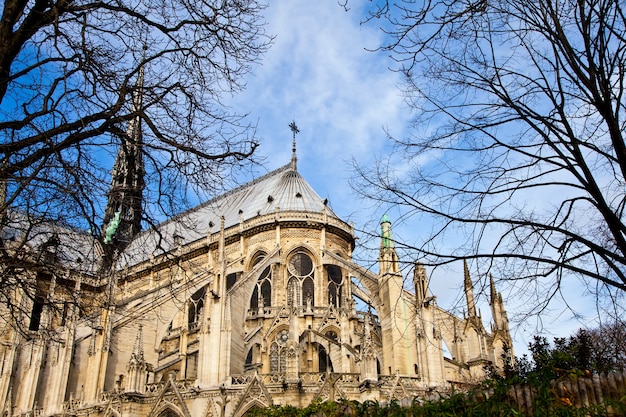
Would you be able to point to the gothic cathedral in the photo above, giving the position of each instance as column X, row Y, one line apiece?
column 248, row 300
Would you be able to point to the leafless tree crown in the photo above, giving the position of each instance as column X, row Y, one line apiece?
column 517, row 146
column 71, row 73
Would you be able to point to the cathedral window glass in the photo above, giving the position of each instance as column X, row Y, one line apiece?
column 324, row 360
column 335, row 285
column 252, row 358
column 308, row 289
column 278, row 359
column 37, row 310
column 300, row 287
column 266, row 291
column 196, row 304
column 293, row 293
column 231, row 280
column 248, row 364
column 264, row 288
column 274, row 357
column 43, row 283
column 254, row 300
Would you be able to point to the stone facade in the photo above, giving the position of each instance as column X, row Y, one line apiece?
column 248, row 300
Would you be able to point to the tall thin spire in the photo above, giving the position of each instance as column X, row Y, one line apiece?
column 498, row 312
column 138, row 347
column 420, row 281
column 295, row 131
column 492, row 290
column 122, row 217
column 469, row 291
column 137, row 368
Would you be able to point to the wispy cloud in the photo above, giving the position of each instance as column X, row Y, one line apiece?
column 342, row 97
column 320, row 74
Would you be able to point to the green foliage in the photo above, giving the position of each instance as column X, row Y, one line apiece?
column 580, row 355
column 577, row 356
column 492, row 399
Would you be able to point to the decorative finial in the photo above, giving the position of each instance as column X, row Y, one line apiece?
column 138, row 348
column 295, row 131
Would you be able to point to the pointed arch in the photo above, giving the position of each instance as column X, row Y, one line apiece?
column 196, row 305
column 256, row 258
column 323, row 360
column 308, row 290
column 294, row 297
column 254, row 299
column 301, row 283
column 278, row 351
column 168, row 410
column 335, row 285
column 253, row 358
column 266, row 291
column 262, row 292
column 174, row 407
column 248, row 408
column 256, row 395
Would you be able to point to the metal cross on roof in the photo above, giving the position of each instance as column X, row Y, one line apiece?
column 295, row 131
column 294, row 128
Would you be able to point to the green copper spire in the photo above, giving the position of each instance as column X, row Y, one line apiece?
column 385, row 225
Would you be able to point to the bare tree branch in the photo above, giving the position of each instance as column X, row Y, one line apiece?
column 518, row 149
column 70, row 72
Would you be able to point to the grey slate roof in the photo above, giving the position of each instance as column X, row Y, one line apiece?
column 281, row 190
column 30, row 236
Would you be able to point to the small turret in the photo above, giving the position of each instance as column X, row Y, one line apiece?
column 395, row 321
column 137, row 367
column 420, row 281
column 388, row 258
column 469, row 291
column 498, row 312
column 368, row 353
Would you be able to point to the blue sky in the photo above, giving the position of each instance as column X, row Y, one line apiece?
column 343, row 97
column 319, row 74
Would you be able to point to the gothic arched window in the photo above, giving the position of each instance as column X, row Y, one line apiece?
column 278, row 358
column 293, row 293
column 264, row 288
column 308, row 289
column 324, row 361
column 168, row 413
column 252, row 358
column 266, row 291
column 335, row 285
column 254, row 300
column 196, row 304
column 301, row 286
column 231, row 280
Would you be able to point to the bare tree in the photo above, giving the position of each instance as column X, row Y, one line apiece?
column 518, row 138
column 79, row 77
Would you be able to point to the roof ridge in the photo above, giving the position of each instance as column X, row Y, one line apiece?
column 248, row 184
column 43, row 220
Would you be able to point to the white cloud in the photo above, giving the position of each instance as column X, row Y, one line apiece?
column 319, row 73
